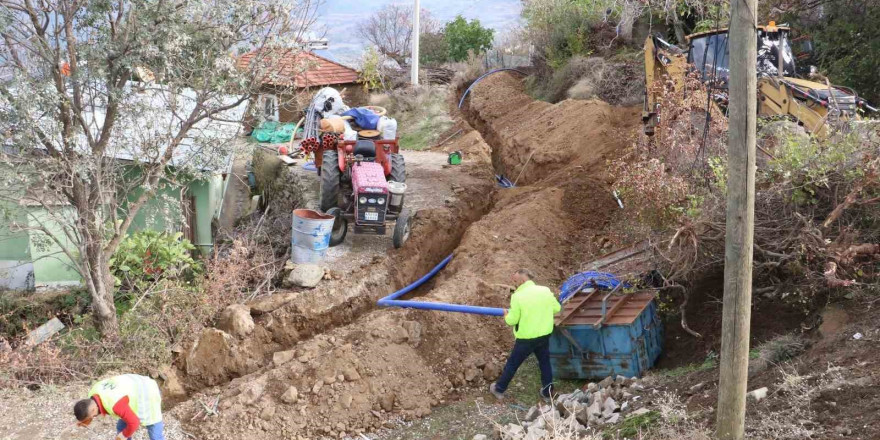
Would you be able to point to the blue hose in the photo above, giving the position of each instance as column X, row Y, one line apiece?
column 480, row 78
column 392, row 301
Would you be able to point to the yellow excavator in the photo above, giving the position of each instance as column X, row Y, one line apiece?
column 813, row 105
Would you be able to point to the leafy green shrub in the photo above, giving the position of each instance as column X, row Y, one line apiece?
column 147, row 256
column 464, row 36
column 808, row 165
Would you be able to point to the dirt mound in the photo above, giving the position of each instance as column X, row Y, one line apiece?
column 546, row 136
column 470, row 143
column 341, row 368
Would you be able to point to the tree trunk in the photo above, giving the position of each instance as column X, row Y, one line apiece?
column 100, row 282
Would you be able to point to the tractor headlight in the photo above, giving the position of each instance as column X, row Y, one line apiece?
column 372, row 201
column 381, row 201
column 362, row 200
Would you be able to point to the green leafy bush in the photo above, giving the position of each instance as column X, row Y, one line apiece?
column 147, row 256
column 463, row 36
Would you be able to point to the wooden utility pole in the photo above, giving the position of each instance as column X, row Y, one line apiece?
column 740, row 221
column 414, row 73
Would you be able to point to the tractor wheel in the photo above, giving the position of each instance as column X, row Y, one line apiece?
column 402, row 228
column 398, row 168
column 330, row 177
column 340, row 226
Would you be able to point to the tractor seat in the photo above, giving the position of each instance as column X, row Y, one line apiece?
column 365, row 148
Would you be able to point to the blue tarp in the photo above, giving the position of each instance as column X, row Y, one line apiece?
column 363, row 117
column 602, row 280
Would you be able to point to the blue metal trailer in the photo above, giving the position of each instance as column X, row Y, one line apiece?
column 600, row 334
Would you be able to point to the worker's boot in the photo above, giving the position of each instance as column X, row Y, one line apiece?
column 498, row 395
column 548, row 394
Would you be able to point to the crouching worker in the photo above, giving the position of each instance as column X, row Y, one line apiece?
column 134, row 400
column 532, row 308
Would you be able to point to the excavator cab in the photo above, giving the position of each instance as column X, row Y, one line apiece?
column 813, row 104
column 709, row 53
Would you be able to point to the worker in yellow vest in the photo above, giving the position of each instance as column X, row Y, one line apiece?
column 134, row 400
column 532, row 308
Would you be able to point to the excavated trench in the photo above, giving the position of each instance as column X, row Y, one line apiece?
column 288, row 318
column 327, row 363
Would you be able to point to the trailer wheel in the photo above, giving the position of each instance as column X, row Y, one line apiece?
column 340, row 226
column 402, row 228
column 398, row 168
column 330, row 177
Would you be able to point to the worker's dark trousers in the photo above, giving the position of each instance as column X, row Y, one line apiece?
column 521, row 351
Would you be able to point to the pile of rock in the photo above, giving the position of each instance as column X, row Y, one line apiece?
column 597, row 405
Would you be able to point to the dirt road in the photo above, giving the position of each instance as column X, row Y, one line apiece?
column 47, row 414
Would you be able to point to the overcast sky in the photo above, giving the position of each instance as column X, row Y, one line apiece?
column 339, row 18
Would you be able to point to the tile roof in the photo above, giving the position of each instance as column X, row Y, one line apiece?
column 302, row 69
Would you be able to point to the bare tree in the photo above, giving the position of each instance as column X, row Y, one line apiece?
column 390, row 30
column 102, row 102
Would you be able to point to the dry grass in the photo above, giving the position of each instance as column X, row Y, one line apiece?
column 618, row 81
column 422, row 114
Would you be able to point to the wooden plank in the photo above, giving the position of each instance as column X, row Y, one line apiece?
column 287, row 159
column 576, row 305
column 619, row 255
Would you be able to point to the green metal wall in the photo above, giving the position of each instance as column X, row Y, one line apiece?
column 51, row 266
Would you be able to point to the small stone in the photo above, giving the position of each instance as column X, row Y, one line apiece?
column 282, row 357
column 290, row 396
column 350, row 374
column 605, row 383
column 236, row 320
column 512, row 432
column 268, row 413
column 532, row 414
column 345, row 400
column 471, row 374
column 535, row 434
column 386, row 401
column 758, row 394
column 491, row 371
column 612, row 419
column 696, row 388
column 340, row 378
column 317, row 388
column 252, row 392
column 330, row 379
column 305, row 275
column 609, row 407
column 171, row 385
column 413, row 332
column 638, row 412
column 620, row 380
column 480, row 437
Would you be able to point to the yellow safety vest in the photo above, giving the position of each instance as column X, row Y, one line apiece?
column 143, row 394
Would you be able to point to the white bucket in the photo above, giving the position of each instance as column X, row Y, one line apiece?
column 397, row 190
column 311, row 236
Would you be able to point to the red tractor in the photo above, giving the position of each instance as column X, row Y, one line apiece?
column 361, row 181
